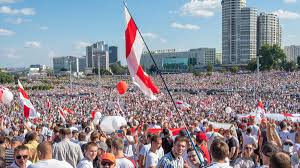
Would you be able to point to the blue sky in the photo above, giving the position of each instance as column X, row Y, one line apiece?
column 35, row 31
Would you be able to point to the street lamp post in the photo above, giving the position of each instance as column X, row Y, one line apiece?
column 70, row 73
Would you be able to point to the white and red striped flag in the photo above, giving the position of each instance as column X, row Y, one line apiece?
column 183, row 105
column 29, row 111
column 61, row 114
column 68, row 111
column 134, row 48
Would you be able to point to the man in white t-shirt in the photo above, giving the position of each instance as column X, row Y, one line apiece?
column 121, row 160
column 152, row 157
column 249, row 139
column 45, row 158
column 90, row 153
column 284, row 133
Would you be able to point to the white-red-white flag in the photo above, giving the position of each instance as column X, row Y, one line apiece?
column 183, row 105
column 68, row 111
column 134, row 48
column 29, row 111
column 61, row 114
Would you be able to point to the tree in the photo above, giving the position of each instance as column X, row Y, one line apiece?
column 209, row 68
column 6, row 77
column 252, row 65
column 117, row 68
column 234, row 69
column 272, row 57
column 290, row 66
column 298, row 60
column 152, row 69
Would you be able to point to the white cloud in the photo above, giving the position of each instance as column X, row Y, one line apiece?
column 23, row 11
column 290, row 1
column 44, row 28
column 5, row 32
column 17, row 21
column 185, row 26
column 32, row 44
column 7, row 1
column 200, row 8
column 149, row 35
column 80, row 45
column 287, row 14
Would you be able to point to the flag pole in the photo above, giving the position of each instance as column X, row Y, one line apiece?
column 166, row 87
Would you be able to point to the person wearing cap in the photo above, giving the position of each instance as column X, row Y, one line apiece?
column 45, row 158
column 90, row 153
column 108, row 160
column 201, row 140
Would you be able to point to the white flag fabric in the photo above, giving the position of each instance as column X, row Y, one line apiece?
column 134, row 48
column 29, row 111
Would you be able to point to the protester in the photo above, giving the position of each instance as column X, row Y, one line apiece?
column 44, row 150
column 90, row 153
column 247, row 160
column 220, row 153
column 108, row 160
column 152, row 157
column 21, row 157
column 121, row 160
column 67, row 150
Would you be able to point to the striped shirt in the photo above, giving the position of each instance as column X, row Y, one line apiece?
column 170, row 161
column 9, row 156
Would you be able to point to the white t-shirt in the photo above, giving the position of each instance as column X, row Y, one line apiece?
column 151, row 160
column 14, row 165
column 84, row 163
column 50, row 163
column 254, row 130
column 248, row 139
column 124, row 163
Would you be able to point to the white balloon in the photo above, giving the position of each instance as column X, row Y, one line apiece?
column 228, row 110
column 7, row 96
column 97, row 118
column 118, row 122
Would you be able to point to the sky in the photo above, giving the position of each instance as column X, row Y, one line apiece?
column 35, row 31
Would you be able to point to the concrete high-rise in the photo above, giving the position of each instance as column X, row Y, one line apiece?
column 247, row 35
column 97, row 55
column 268, row 30
column 231, row 10
column 113, row 54
column 292, row 52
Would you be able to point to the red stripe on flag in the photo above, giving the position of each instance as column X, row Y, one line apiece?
column 130, row 36
column 146, row 80
column 26, row 111
column 24, row 94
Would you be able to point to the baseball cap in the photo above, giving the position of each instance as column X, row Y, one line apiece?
column 201, row 137
column 108, row 157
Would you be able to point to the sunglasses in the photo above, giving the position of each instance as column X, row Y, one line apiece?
column 106, row 163
column 22, row 156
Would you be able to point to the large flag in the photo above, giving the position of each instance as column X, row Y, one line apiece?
column 134, row 48
column 29, row 111
column 183, row 105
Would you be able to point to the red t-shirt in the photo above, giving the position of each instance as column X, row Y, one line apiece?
column 206, row 153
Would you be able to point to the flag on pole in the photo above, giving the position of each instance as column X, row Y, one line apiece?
column 134, row 48
column 183, row 105
column 61, row 114
column 29, row 111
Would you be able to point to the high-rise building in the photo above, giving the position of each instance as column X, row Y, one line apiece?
column 113, row 54
column 292, row 52
column 63, row 64
column 231, row 10
column 97, row 55
column 268, row 30
column 247, row 35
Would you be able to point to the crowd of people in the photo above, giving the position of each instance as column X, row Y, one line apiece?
column 50, row 141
